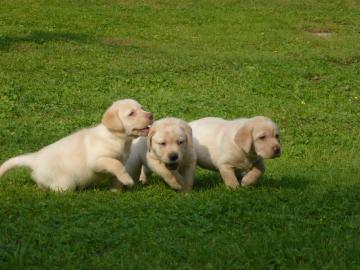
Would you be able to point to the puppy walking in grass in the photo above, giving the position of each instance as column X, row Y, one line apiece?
column 168, row 151
column 80, row 159
column 236, row 148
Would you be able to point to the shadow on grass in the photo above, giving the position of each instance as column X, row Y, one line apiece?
column 105, row 185
column 41, row 37
column 287, row 182
column 212, row 180
column 202, row 182
column 207, row 181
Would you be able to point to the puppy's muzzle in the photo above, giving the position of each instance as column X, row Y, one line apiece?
column 173, row 157
column 277, row 151
column 150, row 117
column 173, row 161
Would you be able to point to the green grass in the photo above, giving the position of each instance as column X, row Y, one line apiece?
column 63, row 62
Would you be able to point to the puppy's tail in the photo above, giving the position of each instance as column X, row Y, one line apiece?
column 19, row 161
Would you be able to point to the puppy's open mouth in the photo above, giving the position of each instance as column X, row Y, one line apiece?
column 141, row 131
column 172, row 166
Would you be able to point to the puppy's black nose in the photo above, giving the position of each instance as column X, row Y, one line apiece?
column 150, row 116
column 173, row 157
column 276, row 150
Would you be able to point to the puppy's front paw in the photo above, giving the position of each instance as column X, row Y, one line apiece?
column 249, row 181
column 127, row 180
column 143, row 181
column 233, row 185
column 177, row 187
column 143, row 178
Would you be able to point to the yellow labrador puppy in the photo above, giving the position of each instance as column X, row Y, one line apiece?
column 236, row 148
column 168, row 151
column 80, row 159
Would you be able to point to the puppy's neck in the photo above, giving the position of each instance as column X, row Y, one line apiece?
column 117, row 135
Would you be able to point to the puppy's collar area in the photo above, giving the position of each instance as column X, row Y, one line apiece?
column 119, row 134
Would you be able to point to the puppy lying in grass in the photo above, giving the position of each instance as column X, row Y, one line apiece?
column 168, row 151
column 78, row 160
column 236, row 148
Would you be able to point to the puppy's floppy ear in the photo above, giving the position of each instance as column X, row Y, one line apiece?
column 188, row 132
column 149, row 138
column 111, row 119
column 244, row 138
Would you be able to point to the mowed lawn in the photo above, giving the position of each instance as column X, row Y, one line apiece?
column 62, row 63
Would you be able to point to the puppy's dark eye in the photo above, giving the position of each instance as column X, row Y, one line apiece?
column 263, row 137
column 277, row 136
column 162, row 143
column 132, row 113
column 180, row 142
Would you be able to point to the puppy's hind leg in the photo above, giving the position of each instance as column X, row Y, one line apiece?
column 62, row 184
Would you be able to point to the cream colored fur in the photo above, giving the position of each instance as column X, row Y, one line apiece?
column 167, row 137
column 235, row 148
column 80, row 159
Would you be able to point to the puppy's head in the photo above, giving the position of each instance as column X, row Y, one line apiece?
column 127, row 116
column 169, row 139
column 259, row 135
